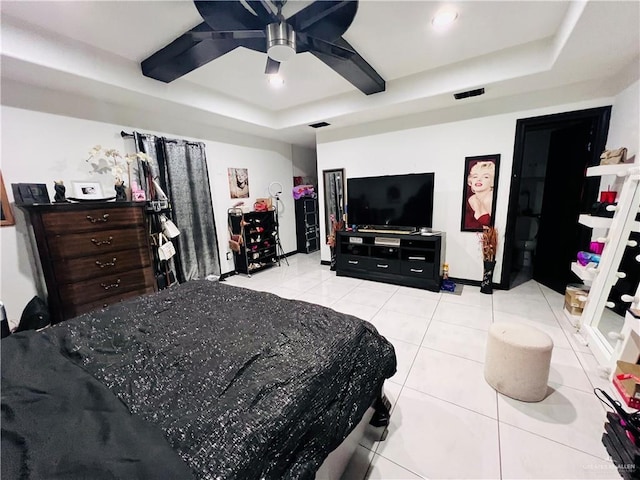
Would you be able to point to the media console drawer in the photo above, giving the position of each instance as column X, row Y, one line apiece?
column 417, row 269
column 384, row 265
column 352, row 262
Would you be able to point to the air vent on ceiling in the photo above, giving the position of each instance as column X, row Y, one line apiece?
column 470, row 93
column 319, row 125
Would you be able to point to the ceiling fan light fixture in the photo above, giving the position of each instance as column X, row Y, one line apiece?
column 444, row 18
column 281, row 41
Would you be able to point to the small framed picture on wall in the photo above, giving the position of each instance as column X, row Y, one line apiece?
column 239, row 182
column 479, row 192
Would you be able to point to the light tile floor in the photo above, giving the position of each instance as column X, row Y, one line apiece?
column 446, row 421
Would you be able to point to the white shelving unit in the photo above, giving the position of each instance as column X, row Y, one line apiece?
column 586, row 273
column 620, row 170
column 602, row 222
column 602, row 278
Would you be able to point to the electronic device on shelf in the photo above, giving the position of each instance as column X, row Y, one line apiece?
column 393, row 203
column 387, row 241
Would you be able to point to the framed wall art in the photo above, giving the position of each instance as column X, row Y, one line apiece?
column 6, row 215
column 239, row 182
column 479, row 192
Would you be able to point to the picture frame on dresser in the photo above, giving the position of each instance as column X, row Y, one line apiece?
column 87, row 190
column 6, row 214
column 30, row 193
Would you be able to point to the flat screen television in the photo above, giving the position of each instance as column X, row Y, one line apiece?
column 392, row 201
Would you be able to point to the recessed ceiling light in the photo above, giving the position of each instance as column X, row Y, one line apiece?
column 444, row 18
column 275, row 80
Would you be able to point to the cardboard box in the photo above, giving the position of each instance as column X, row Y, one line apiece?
column 572, row 309
column 571, row 302
column 627, row 382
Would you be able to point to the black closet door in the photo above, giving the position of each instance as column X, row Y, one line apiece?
column 559, row 235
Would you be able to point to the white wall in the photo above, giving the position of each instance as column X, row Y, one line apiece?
column 442, row 148
column 624, row 128
column 41, row 147
column 305, row 164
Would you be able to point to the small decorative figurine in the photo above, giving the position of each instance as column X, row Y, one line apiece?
column 121, row 191
column 60, row 189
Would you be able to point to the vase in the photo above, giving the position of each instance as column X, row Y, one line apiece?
column 486, row 286
column 333, row 259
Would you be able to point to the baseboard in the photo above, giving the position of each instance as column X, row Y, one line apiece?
column 464, row 281
column 475, row 283
column 227, row 275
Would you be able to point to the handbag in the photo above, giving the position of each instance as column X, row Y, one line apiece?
column 168, row 227
column 261, row 206
column 235, row 239
column 166, row 249
column 235, row 242
column 613, row 157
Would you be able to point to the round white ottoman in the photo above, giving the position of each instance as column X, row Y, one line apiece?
column 517, row 361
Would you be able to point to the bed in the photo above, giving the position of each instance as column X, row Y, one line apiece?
column 202, row 380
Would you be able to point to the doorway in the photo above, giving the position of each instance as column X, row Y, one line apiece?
column 548, row 192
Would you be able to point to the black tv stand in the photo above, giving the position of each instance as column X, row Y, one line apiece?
column 386, row 256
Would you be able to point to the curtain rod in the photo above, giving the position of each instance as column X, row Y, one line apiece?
column 124, row 134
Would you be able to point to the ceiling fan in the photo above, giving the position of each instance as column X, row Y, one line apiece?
column 228, row 24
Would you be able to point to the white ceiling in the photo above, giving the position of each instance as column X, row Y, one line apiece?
column 94, row 48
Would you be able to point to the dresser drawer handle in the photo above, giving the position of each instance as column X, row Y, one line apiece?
column 101, row 242
column 382, row 266
column 105, row 218
column 113, row 285
column 112, row 263
column 415, row 270
column 354, row 262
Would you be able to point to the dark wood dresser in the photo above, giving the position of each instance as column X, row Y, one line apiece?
column 92, row 254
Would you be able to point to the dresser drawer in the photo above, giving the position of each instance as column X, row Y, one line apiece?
column 92, row 243
column 106, row 286
column 74, row 269
column 92, row 220
column 75, row 310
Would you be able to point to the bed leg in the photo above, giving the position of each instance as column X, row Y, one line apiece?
column 382, row 412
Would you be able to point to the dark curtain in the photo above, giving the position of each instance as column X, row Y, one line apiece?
column 181, row 170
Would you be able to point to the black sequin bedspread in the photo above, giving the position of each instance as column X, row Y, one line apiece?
column 243, row 384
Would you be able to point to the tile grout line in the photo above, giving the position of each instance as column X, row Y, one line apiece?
column 497, row 409
column 554, row 441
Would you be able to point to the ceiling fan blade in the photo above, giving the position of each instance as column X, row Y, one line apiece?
column 325, row 19
column 263, row 10
column 354, row 69
column 231, row 35
column 327, row 48
column 228, row 15
column 185, row 54
column 272, row 66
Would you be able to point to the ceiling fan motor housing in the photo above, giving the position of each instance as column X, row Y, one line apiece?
column 281, row 41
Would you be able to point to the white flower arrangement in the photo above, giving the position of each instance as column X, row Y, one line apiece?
column 105, row 160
